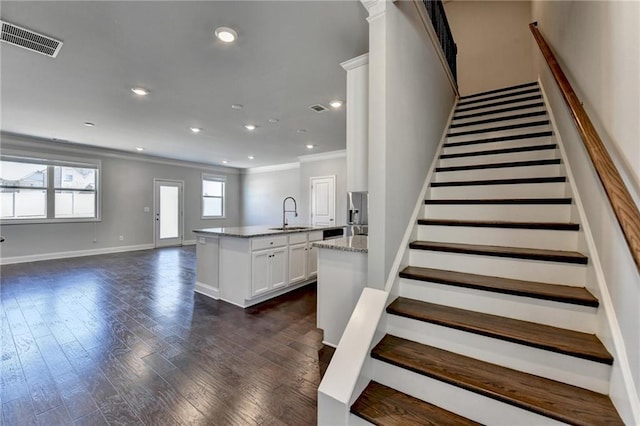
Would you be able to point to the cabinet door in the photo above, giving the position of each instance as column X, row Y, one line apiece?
column 297, row 263
column 312, row 258
column 260, row 271
column 278, row 268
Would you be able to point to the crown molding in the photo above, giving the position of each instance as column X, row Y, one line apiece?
column 273, row 168
column 24, row 142
column 323, row 156
column 356, row 62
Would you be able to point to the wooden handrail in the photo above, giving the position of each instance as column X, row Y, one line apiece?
column 624, row 207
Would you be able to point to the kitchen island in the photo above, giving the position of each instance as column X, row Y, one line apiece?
column 246, row 265
column 343, row 275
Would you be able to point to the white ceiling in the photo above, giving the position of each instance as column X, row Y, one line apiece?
column 286, row 58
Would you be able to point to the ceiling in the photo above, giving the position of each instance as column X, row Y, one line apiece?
column 287, row 57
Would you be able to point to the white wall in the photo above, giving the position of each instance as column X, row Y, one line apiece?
column 494, row 43
column 264, row 189
column 263, row 193
column 410, row 99
column 127, row 187
column 598, row 47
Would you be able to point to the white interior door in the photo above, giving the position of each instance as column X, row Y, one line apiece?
column 323, row 201
column 168, row 213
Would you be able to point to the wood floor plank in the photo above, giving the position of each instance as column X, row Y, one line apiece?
column 556, row 400
column 555, row 292
column 130, row 343
column 568, row 342
column 384, row 406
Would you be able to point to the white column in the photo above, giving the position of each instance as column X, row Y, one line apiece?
column 357, row 123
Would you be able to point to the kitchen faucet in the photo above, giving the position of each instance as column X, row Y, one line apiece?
column 284, row 211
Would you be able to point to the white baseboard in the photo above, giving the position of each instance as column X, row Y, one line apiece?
column 74, row 253
column 207, row 290
column 189, row 243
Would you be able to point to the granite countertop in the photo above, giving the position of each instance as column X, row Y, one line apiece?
column 259, row 231
column 357, row 243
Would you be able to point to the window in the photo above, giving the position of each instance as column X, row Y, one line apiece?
column 43, row 191
column 212, row 196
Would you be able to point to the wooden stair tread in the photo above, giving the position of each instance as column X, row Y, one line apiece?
column 502, row 89
column 501, row 151
column 554, row 292
column 499, row 103
column 499, row 111
column 509, row 138
column 509, row 181
column 501, row 201
column 549, row 398
column 385, row 406
column 500, row 128
column 464, row 102
column 502, row 251
column 559, row 340
column 556, row 226
column 509, row 164
column 498, row 119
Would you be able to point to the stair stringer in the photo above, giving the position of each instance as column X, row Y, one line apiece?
column 622, row 388
column 350, row 369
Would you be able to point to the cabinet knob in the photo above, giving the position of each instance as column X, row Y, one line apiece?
column 271, row 243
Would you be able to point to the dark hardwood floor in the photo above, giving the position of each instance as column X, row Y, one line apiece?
column 122, row 339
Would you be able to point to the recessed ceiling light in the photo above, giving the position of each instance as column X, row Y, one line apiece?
column 250, row 157
column 302, row 130
column 195, row 129
column 89, row 124
column 273, row 120
column 310, row 146
column 224, row 161
column 226, row 34
column 335, row 104
column 249, row 127
column 139, row 148
column 140, row 91
column 237, row 106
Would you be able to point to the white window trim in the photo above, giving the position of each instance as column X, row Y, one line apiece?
column 219, row 178
column 56, row 160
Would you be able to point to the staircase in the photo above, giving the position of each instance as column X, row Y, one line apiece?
column 492, row 323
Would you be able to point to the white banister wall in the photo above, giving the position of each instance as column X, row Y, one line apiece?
column 598, row 47
column 410, row 98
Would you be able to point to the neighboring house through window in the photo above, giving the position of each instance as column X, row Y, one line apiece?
column 212, row 196
column 34, row 190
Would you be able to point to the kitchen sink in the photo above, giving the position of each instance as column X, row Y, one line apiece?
column 290, row 228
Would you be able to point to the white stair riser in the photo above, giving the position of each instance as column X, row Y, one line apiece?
column 551, row 365
column 489, row 110
column 358, row 421
column 519, row 269
column 505, row 92
column 493, row 124
column 525, row 238
column 500, row 133
column 517, row 143
column 504, row 97
column 494, row 115
column 457, row 400
column 545, row 154
column 525, row 212
column 500, row 173
column 555, row 314
column 527, row 190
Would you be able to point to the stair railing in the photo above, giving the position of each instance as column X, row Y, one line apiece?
column 436, row 12
column 624, row 207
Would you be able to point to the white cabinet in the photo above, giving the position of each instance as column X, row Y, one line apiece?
column 312, row 260
column 297, row 263
column 268, row 270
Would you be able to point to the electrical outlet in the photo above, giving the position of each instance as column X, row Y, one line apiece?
column 121, row 238
column 146, row 209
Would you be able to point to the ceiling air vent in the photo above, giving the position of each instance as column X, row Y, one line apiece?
column 30, row 40
column 319, row 108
